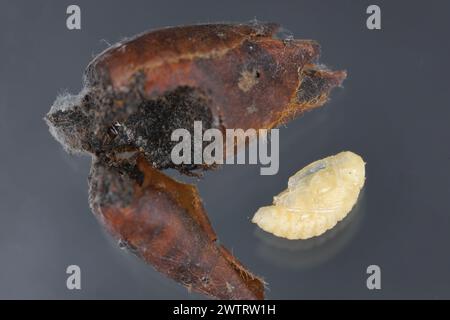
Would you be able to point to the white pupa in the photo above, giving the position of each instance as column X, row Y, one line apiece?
column 318, row 196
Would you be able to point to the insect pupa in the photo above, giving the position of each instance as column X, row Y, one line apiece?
column 317, row 198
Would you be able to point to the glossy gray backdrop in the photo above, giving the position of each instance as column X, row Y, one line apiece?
column 393, row 110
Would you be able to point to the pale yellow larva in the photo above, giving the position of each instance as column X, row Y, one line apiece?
column 318, row 196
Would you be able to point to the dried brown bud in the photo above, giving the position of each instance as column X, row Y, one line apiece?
column 225, row 75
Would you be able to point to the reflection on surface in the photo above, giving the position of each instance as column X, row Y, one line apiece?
column 295, row 254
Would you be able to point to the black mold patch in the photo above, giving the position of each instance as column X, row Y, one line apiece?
column 109, row 124
column 151, row 127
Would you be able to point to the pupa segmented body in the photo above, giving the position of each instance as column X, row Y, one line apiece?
column 318, row 196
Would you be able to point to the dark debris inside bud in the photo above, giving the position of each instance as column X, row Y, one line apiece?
column 98, row 125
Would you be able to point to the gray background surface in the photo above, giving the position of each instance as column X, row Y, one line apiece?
column 394, row 111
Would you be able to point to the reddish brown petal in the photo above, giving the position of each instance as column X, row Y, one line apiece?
column 163, row 222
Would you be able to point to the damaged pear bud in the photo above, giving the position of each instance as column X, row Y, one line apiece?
column 139, row 91
column 225, row 75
